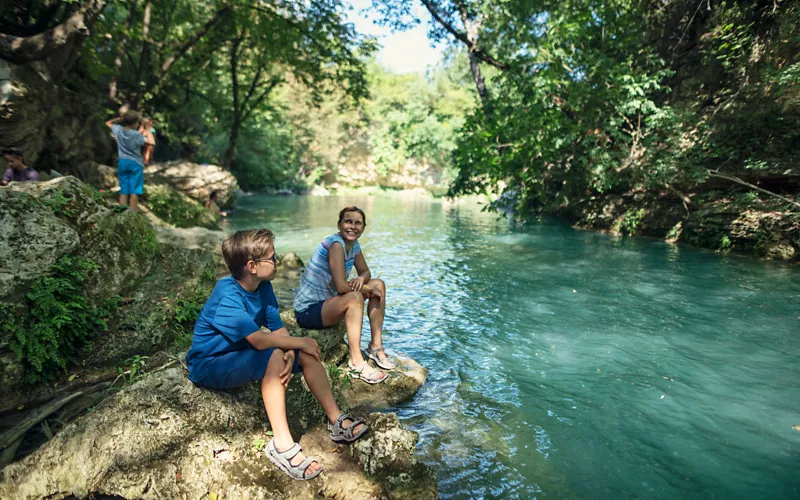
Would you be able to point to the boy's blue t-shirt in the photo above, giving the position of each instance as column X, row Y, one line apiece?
column 229, row 315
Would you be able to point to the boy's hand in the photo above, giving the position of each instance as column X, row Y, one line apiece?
column 286, row 374
column 311, row 347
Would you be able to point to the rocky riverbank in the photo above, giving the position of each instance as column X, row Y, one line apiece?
column 121, row 298
column 741, row 222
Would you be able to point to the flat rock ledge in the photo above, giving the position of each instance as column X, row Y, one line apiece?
column 163, row 437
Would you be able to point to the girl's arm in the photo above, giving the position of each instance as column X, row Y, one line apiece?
column 112, row 121
column 361, row 267
column 336, row 263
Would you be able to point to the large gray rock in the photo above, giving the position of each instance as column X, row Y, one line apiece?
column 32, row 237
column 26, row 96
column 195, row 180
column 163, row 437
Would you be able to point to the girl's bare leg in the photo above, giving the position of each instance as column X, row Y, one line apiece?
column 349, row 306
column 123, row 199
column 376, row 311
column 274, row 395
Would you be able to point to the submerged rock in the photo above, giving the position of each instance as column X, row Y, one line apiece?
column 163, row 437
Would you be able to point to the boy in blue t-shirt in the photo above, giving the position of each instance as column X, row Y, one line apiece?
column 229, row 349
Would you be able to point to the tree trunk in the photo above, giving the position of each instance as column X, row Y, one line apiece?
column 137, row 93
column 230, row 152
column 22, row 50
column 472, row 28
column 112, row 87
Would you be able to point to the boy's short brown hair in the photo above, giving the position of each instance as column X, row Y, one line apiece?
column 243, row 246
column 131, row 118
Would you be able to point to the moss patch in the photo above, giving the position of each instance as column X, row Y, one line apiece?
column 177, row 209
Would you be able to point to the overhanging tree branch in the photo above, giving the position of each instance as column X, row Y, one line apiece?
column 463, row 38
column 22, row 50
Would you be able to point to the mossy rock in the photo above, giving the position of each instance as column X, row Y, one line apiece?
column 330, row 340
column 177, row 209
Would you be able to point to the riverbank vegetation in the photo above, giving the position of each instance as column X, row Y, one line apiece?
column 624, row 116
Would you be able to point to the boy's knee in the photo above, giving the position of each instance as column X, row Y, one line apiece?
column 305, row 359
column 276, row 364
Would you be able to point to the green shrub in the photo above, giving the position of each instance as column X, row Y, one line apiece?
column 61, row 320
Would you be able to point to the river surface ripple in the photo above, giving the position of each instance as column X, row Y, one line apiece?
column 571, row 364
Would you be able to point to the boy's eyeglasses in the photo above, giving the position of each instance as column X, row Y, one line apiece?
column 273, row 259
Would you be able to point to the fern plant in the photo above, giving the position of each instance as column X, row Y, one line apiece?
column 61, row 319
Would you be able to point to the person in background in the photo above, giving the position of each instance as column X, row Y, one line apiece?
column 211, row 204
column 130, row 166
column 148, row 149
column 17, row 170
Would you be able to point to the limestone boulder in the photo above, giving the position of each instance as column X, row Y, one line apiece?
column 195, row 180
column 330, row 340
column 177, row 208
column 163, row 437
column 32, row 238
column 403, row 382
column 26, row 96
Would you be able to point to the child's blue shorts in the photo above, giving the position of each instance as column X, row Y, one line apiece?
column 237, row 368
column 131, row 177
column 311, row 317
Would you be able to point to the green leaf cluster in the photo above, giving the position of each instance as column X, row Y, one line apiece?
column 61, row 319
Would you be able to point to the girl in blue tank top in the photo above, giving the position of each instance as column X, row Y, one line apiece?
column 326, row 297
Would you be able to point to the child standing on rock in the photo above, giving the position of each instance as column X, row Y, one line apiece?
column 229, row 349
column 326, row 297
column 130, row 166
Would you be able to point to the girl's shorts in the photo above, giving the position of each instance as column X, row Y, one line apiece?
column 311, row 317
column 237, row 368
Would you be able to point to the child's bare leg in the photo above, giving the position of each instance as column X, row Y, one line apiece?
column 123, row 199
column 134, row 201
column 317, row 381
column 274, row 395
column 376, row 311
column 351, row 307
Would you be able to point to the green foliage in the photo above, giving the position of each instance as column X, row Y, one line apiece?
column 134, row 371
column 176, row 208
column 725, row 243
column 632, row 219
column 257, row 445
column 187, row 310
column 61, row 319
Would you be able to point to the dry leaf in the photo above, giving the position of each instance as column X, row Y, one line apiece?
column 20, row 407
column 574, row 291
column 662, row 396
column 796, row 427
column 72, row 377
column 213, row 496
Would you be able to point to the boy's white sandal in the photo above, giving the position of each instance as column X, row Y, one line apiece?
column 371, row 378
column 283, row 460
column 385, row 363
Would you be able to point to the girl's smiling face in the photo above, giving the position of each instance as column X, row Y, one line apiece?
column 351, row 226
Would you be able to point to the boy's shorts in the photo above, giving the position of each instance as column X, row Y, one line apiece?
column 311, row 317
column 237, row 368
column 131, row 177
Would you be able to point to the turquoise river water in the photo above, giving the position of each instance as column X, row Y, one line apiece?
column 571, row 364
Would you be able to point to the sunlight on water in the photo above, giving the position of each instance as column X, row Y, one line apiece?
column 569, row 364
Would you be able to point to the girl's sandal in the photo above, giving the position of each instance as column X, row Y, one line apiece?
column 372, row 377
column 385, row 363
column 283, row 460
column 341, row 434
